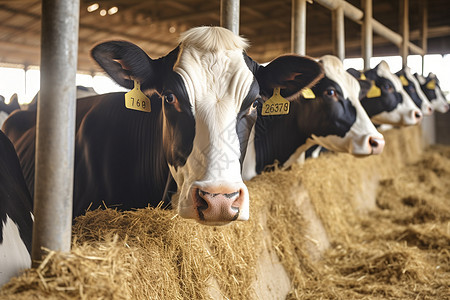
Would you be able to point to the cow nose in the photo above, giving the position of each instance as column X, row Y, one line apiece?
column 216, row 206
column 417, row 115
column 377, row 144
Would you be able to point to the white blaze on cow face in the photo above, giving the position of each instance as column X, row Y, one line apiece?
column 217, row 79
column 362, row 138
column 406, row 112
column 14, row 257
column 426, row 107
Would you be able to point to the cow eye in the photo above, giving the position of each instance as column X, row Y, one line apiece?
column 170, row 98
column 331, row 92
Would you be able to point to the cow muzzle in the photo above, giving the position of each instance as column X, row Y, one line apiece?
column 220, row 204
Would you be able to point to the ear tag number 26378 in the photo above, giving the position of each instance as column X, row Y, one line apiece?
column 136, row 99
column 276, row 105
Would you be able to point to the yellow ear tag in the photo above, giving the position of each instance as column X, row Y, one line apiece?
column 431, row 85
column 136, row 99
column 308, row 94
column 363, row 76
column 275, row 105
column 404, row 80
column 374, row 91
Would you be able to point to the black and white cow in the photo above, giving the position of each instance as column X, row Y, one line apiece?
column 16, row 221
column 430, row 86
column 387, row 102
column 412, row 87
column 333, row 118
column 7, row 109
column 202, row 96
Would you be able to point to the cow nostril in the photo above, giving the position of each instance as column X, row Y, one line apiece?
column 373, row 142
column 201, row 202
column 418, row 115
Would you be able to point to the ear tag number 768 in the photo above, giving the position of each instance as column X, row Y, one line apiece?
column 276, row 105
column 136, row 99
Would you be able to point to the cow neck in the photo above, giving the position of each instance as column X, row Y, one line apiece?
column 277, row 137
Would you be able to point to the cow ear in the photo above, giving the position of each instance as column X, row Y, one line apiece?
column 125, row 62
column 365, row 87
column 291, row 73
column 355, row 73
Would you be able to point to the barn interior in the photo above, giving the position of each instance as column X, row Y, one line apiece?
column 155, row 26
column 338, row 227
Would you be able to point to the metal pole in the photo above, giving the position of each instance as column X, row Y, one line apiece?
column 298, row 27
column 55, row 127
column 356, row 15
column 424, row 31
column 229, row 15
column 404, row 5
column 339, row 32
column 367, row 33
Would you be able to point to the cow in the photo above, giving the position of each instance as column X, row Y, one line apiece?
column 7, row 109
column 333, row 117
column 430, row 86
column 387, row 102
column 81, row 92
column 412, row 87
column 16, row 219
column 24, row 117
column 201, row 96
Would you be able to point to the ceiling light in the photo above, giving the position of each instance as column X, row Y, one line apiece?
column 103, row 12
column 172, row 29
column 92, row 7
column 113, row 10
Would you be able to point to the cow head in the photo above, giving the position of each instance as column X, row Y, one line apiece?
column 430, row 86
column 335, row 118
column 387, row 102
column 208, row 86
column 412, row 87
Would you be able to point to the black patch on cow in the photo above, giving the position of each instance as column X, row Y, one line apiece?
column 411, row 89
column 277, row 137
column 15, row 200
column 179, row 126
column 387, row 101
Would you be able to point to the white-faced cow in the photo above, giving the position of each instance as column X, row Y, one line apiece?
column 387, row 102
column 201, row 95
column 332, row 116
column 412, row 87
column 430, row 86
column 15, row 214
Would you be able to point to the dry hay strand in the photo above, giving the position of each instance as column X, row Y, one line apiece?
column 154, row 255
column 388, row 253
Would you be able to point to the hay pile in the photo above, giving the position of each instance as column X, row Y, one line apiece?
column 388, row 241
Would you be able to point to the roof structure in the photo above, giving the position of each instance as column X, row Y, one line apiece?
column 154, row 25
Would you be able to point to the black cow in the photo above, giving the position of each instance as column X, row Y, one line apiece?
column 16, row 221
column 198, row 128
column 7, row 109
column 331, row 117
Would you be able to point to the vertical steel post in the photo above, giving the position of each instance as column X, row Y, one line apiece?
column 339, row 32
column 298, row 27
column 424, row 31
column 229, row 15
column 404, row 21
column 367, row 33
column 56, row 127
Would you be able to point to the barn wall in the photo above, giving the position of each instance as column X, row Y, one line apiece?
column 442, row 126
